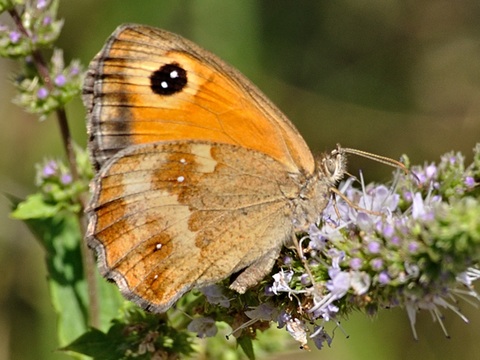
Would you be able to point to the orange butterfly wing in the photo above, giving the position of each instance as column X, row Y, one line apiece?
column 168, row 216
column 200, row 176
column 216, row 102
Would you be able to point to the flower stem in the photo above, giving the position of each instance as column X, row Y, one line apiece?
column 87, row 258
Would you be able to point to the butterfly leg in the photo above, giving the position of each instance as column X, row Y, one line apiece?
column 254, row 273
column 299, row 249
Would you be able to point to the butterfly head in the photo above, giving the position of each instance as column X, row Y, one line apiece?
column 333, row 165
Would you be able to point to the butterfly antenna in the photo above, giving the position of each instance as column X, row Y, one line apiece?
column 381, row 159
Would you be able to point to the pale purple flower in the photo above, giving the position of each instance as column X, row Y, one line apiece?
column 408, row 196
column 418, row 207
column 60, row 80
column 388, row 230
column 337, row 257
column 66, row 179
column 47, row 20
column 339, row 284
column 14, row 36
column 317, row 239
column 395, row 240
column 327, row 312
column 282, row 279
column 356, row 263
column 283, row 318
column 305, row 279
column 215, row 296
column 374, row 247
column 364, row 221
column 380, row 199
column 320, row 337
column 41, row 4
column 413, row 247
column 49, row 169
column 338, row 287
column 42, row 93
column 377, row 263
column 74, row 70
column 383, row 278
column 469, row 182
column 263, row 312
column 431, row 171
column 204, row 327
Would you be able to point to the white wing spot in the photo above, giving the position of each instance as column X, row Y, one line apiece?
column 164, row 84
column 174, row 74
column 155, row 277
column 181, row 179
column 158, row 246
column 183, row 161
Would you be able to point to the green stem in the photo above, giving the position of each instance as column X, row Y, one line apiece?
column 87, row 258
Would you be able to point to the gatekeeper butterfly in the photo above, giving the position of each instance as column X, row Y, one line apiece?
column 199, row 176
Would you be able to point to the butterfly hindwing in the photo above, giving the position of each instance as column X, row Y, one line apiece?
column 166, row 217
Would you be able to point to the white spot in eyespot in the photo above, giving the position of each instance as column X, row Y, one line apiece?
column 183, row 161
column 155, row 277
column 174, row 74
column 164, row 84
column 158, row 246
column 181, row 179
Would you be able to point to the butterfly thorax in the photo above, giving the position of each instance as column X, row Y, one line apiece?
column 316, row 190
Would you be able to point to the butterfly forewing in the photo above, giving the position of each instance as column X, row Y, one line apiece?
column 205, row 99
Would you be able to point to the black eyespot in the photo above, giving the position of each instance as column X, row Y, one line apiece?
column 168, row 80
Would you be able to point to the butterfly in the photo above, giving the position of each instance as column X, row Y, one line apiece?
column 198, row 175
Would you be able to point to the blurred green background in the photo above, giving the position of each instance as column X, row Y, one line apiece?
column 389, row 77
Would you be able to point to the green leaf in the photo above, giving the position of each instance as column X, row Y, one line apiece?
column 98, row 345
column 245, row 343
column 60, row 236
column 68, row 289
column 34, row 207
column 110, row 301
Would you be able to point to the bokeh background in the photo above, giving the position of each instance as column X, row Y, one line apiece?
column 390, row 77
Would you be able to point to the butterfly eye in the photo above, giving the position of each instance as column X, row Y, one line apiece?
column 334, row 165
